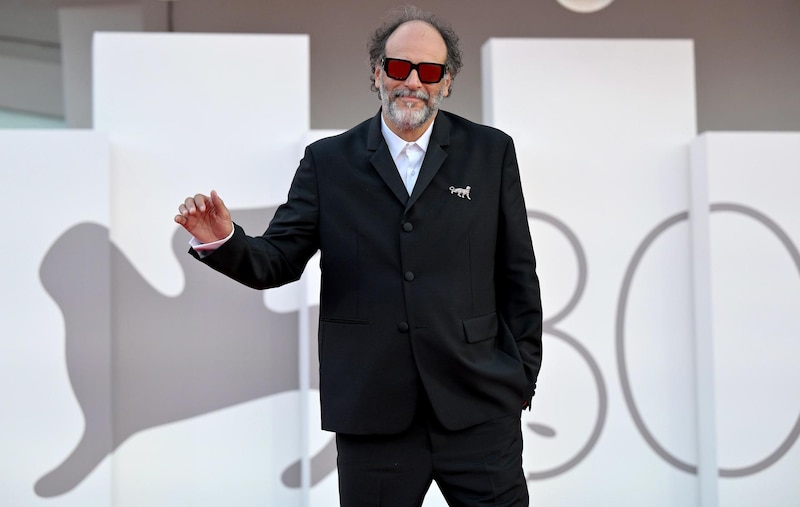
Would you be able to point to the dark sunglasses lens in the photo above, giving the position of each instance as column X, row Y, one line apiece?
column 398, row 69
column 430, row 72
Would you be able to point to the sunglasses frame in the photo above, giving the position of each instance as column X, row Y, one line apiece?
column 413, row 66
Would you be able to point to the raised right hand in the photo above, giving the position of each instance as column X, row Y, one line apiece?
column 206, row 218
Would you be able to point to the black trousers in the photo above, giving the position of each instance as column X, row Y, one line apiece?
column 477, row 466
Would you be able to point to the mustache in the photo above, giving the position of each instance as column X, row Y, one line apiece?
column 419, row 94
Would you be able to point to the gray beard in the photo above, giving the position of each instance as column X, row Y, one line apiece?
column 406, row 118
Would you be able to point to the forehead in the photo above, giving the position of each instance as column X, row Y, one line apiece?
column 416, row 41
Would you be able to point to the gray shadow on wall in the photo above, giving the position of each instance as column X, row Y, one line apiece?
column 138, row 359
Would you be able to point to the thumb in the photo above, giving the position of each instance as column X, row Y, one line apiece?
column 217, row 201
column 221, row 210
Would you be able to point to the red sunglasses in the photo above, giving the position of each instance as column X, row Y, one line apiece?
column 399, row 69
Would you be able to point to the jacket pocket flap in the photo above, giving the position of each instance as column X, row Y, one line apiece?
column 480, row 328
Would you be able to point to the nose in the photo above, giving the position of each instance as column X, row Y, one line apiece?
column 412, row 81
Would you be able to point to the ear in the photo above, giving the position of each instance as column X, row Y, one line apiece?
column 447, row 82
column 378, row 77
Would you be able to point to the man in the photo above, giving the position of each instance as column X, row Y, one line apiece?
column 430, row 314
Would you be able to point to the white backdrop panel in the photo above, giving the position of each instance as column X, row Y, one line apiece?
column 55, row 184
column 755, row 293
column 602, row 129
column 205, row 374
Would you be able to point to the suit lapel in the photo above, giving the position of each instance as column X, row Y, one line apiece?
column 434, row 156
column 382, row 161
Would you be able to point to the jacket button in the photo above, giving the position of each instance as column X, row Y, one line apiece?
column 408, row 276
column 403, row 327
column 408, row 227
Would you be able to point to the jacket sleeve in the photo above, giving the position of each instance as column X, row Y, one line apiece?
column 278, row 256
column 517, row 285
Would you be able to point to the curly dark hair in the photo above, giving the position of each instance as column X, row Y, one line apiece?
column 377, row 42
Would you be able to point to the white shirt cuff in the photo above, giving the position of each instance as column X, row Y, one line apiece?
column 207, row 248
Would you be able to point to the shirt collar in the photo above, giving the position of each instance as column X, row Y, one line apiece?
column 396, row 143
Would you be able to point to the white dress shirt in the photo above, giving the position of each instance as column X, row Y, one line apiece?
column 407, row 156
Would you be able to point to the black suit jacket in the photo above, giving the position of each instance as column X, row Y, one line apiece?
column 435, row 290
